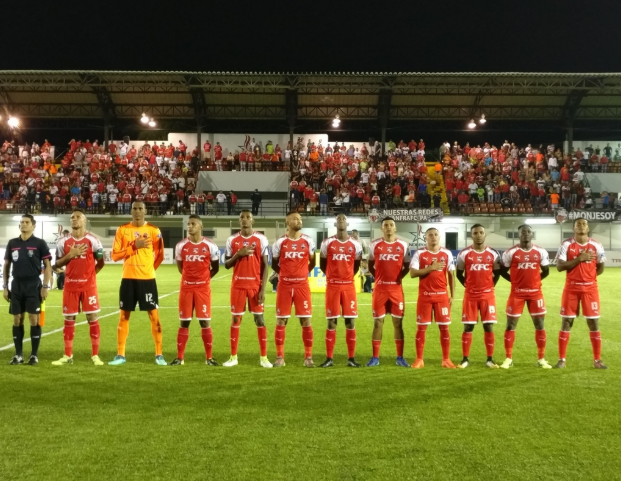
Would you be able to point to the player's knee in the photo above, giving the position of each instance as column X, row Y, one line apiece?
column 203, row 324
column 350, row 323
column 377, row 323
column 33, row 319
column 259, row 321
column 18, row 320
column 538, row 323
column 593, row 324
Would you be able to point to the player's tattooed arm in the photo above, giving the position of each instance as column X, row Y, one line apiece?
column 461, row 276
column 545, row 272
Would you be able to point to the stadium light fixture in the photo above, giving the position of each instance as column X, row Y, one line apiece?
column 336, row 122
column 541, row 221
column 13, row 122
column 152, row 122
column 144, row 119
column 482, row 120
column 472, row 124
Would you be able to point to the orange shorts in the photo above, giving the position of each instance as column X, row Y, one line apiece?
column 440, row 310
column 536, row 306
column 88, row 300
column 341, row 299
column 198, row 300
column 298, row 295
column 388, row 301
column 571, row 302
column 238, row 301
column 472, row 307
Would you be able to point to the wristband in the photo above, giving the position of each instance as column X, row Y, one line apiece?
column 6, row 287
column 45, row 287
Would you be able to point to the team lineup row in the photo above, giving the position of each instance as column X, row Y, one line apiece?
column 139, row 245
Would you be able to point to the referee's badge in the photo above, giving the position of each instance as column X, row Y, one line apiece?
column 15, row 255
column 30, row 252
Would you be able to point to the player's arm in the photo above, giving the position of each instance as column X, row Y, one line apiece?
column 6, row 267
column 496, row 269
column 405, row 269
column 461, row 276
column 599, row 268
column 264, row 278
column 545, row 272
column 47, row 277
column 214, row 267
column 158, row 250
column 323, row 263
column 230, row 261
column 120, row 251
column 74, row 251
column 435, row 266
column 564, row 265
column 504, row 273
column 451, row 284
column 180, row 266
column 312, row 262
column 276, row 264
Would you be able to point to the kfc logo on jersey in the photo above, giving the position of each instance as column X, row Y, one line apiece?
column 480, row 267
column 194, row 257
column 295, row 255
column 527, row 265
column 341, row 257
column 388, row 257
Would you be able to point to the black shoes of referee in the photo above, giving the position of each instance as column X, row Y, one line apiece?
column 351, row 362
column 32, row 361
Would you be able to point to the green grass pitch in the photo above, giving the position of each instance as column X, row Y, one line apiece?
column 141, row 421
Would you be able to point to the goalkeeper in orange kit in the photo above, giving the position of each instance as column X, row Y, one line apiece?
column 141, row 248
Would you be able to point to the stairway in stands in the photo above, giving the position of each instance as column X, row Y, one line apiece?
column 431, row 175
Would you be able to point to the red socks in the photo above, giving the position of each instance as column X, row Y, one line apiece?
column 489, row 343
column 445, row 342
column 466, row 342
column 307, row 338
column 377, row 345
column 350, row 338
column 262, row 335
column 330, row 341
column 279, row 340
column 421, row 330
column 234, row 339
column 398, row 345
column 207, row 336
column 596, row 343
column 182, row 339
column 540, row 339
column 563, row 340
column 95, row 335
column 68, row 335
column 509, row 340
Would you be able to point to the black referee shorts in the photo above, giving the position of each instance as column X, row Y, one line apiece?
column 25, row 296
column 141, row 291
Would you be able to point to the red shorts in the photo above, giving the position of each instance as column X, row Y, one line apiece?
column 341, row 298
column 571, row 301
column 88, row 300
column 238, row 301
column 388, row 301
column 471, row 308
column 536, row 305
column 441, row 311
column 298, row 294
column 198, row 300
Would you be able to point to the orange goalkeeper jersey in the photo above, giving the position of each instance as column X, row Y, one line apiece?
column 138, row 263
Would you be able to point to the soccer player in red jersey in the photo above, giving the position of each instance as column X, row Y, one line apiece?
column 82, row 253
column 433, row 265
column 389, row 260
column 293, row 257
column 198, row 260
column 525, row 266
column 583, row 258
column 478, row 270
column 247, row 253
column 340, row 260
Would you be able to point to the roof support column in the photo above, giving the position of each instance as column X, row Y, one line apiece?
column 383, row 107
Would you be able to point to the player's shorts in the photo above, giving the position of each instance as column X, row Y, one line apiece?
column 75, row 302
column 441, row 311
column 388, row 301
column 208, row 155
column 472, row 307
column 341, row 299
column 238, row 301
column 299, row 295
column 195, row 300
column 25, row 296
column 571, row 302
column 536, row 306
column 141, row 291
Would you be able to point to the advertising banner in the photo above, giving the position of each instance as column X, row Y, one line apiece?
column 407, row 215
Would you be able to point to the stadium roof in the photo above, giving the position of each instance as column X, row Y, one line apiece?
column 72, row 94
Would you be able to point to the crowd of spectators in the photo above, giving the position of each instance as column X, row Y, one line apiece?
column 107, row 180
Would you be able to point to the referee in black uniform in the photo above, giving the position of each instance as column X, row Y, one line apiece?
column 27, row 253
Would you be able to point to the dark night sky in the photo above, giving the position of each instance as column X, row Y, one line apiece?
column 547, row 35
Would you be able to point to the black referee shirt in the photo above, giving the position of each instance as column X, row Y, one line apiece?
column 27, row 256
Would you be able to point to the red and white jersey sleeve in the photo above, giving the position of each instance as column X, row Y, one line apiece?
column 294, row 255
column 247, row 270
column 479, row 271
column 433, row 286
column 196, row 260
column 583, row 277
column 389, row 258
column 340, row 258
column 525, row 269
column 80, row 272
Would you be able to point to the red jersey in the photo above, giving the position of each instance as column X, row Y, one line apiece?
column 340, row 256
column 247, row 271
column 389, row 258
column 80, row 272
column 525, row 269
column 583, row 277
column 478, row 267
column 433, row 286
column 294, row 255
column 196, row 260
